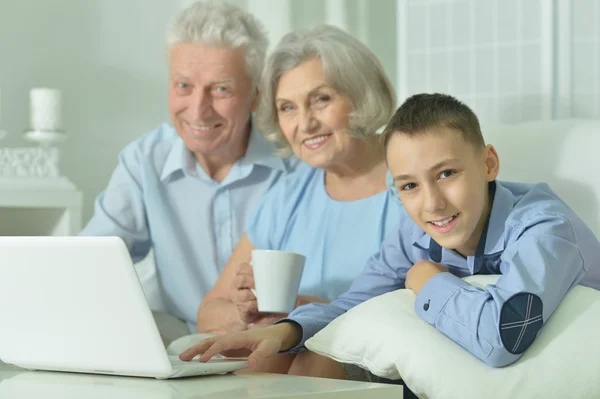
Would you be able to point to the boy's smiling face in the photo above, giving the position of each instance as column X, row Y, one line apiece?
column 443, row 184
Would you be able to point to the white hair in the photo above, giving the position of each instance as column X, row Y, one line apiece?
column 222, row 24
column 349, row 67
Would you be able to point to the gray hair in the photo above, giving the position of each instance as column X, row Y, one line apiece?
column 222, row 24
column 350, row 68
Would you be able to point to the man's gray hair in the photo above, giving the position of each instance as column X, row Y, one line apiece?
column 222, row 24
column 350, row 68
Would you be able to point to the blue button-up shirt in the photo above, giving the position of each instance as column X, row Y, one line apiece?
column 160, row 197
column 537, row 244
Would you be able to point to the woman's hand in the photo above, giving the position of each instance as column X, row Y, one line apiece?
column 241, row 294
column 306, row 299
column 263, row 343
column 245, row 301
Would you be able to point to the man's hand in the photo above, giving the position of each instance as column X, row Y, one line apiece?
column 263, row 343
column 420, row 274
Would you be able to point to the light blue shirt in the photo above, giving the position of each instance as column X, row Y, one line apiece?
column 336, row 237
column 538, row 245
column 160, row 197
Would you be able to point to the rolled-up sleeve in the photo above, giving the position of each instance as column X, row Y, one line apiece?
column 498, row 323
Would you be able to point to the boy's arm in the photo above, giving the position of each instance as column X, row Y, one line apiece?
column 499, row 323
column 384, row 272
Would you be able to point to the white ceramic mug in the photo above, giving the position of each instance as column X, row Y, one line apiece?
column 277, row 276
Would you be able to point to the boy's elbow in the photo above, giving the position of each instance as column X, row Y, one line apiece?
column 516, row 332
column 500, row 357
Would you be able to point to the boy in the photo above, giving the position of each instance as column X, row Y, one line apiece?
column 459, row 221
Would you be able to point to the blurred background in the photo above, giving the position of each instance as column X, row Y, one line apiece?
column 510, row 60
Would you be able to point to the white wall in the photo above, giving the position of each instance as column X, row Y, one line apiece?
column 107, row 57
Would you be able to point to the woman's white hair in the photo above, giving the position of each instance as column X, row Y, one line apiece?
column 350, row 68
column 222, row 24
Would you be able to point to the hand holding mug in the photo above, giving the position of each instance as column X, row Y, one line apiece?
column 242, row 296
column 276, row 278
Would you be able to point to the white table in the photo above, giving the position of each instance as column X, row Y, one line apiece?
column 16, row 383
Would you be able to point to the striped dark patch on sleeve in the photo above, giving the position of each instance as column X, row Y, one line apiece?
column 520, row 321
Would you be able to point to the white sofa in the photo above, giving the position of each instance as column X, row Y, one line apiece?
column 560, row 153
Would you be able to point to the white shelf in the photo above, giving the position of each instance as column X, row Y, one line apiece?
column 39, row 206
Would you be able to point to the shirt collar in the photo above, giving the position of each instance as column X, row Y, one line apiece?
column 504, row 202
column 259, row 152
column 262, row 152
column 179, row 159
column 492, row 239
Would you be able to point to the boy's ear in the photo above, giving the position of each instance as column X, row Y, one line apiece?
column 492, row 162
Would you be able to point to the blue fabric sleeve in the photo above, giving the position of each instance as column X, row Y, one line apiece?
column 384, row 272
column 498, row 323
column 120, row 210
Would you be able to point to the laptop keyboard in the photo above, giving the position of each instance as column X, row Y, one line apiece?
column 194, row 367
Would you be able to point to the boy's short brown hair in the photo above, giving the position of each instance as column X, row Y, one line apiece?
column 425, row 112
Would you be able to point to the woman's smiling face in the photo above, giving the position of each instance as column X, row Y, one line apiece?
column 313, row 116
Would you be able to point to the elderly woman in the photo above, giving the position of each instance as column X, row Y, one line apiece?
column 324, row 96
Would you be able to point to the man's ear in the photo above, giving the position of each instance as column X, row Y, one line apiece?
column 492, row 163
column 254, row 105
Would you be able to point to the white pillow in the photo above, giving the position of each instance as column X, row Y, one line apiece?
column 387, row 337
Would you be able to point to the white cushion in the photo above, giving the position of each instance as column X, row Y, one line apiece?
column 387, row 337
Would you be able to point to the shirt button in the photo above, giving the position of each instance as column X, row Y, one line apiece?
column 426, row 306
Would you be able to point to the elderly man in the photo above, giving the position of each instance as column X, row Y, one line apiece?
column 185, row 190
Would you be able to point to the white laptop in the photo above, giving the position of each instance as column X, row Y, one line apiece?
column 75, row 304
